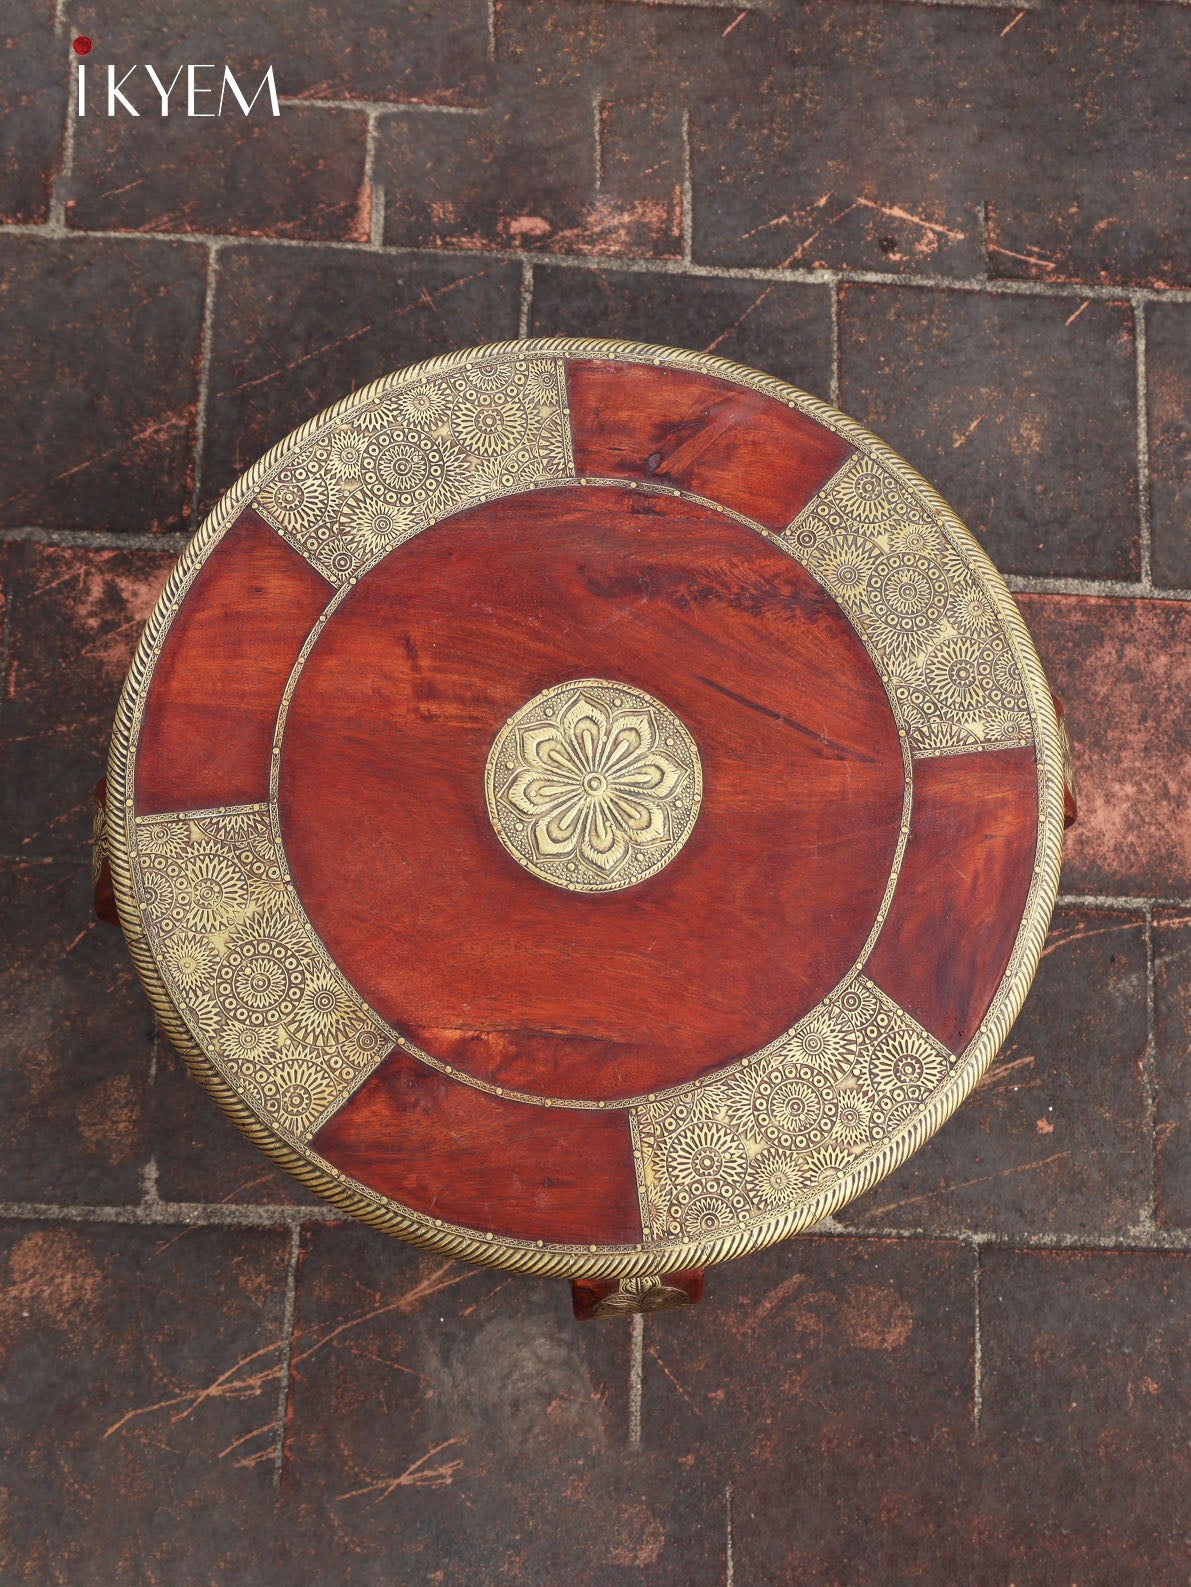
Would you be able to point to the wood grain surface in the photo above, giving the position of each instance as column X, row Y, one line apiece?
column 706, row 436
column 962, row 889
column 509, row 978
column 468, row 1157
column 217, row 686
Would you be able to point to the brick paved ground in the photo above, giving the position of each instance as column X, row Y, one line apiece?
column 968, row 224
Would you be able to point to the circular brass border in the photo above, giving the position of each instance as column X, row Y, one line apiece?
column 467, row 1244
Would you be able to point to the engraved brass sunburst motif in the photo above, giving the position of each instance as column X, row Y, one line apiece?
column 593, row 785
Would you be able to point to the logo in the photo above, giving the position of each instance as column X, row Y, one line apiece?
column 115, row 95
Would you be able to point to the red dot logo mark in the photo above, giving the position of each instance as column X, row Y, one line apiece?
column 82, row 45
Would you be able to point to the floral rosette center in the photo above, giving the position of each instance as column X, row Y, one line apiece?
column 593, row 785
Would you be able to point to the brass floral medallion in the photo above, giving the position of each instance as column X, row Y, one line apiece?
column 593, row 785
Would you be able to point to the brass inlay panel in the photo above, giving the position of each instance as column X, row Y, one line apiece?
column 408, row 457
column 593, row 785
column 915, row 601
column 635, row 1296
column 99, row 849
column 777, row 1131
column 246, row 970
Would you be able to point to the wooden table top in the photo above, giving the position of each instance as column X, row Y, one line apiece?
column 585, row 807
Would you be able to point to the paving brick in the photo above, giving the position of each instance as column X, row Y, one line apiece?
column 459, row 1426
column 199, row 1153
column 1120, row 668
column 99, row 347
column 1021, row 411
column 77, row 1048
column 297, row 329
column 74, row 619
column 813, row 1374
column 1088, row 181
column 32, row 109
column 660, row 54
column 858, row 146
column 300, row 174
column 1055, row 1139
column 640, row 152
column 1086, row 1373
column 1172, row 1066
column 877, row 133
column 784, row 329
column 141, row 1380
column 508, row 179
column 581, row 150
column 425, row 51
column 1168, row 369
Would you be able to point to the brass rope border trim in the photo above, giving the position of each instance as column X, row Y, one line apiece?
column 531, row 1257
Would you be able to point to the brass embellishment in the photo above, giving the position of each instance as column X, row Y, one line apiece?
column 99, row 851
column 593, row 785
column 644, row 1294
column 776, row 1132
column 246, row 971
column 919, row 608
column 393, row 465
column 854, row 1115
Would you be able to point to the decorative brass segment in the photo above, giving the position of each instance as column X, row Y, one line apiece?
column 99, row 848
column 394, row 465
column 914, row 600
column 645, row 1294
column 776, row 1131
column 245, row 969
column 593, row 785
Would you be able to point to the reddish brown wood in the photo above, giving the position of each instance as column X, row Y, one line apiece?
column 587, row 1293
column 962, row 890
column 209, row 720
column 733, row 445
column 487, row 967
column 468, row 1157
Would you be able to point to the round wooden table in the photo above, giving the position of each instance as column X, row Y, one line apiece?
column 587, row 808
